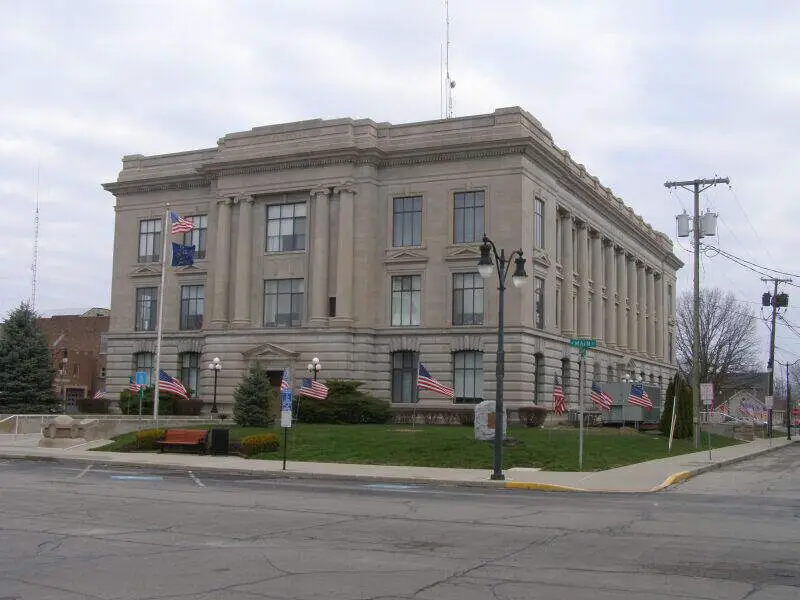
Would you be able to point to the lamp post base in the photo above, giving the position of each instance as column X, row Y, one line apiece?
column 498, row 477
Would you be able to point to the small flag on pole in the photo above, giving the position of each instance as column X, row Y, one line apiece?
column 134, row 387
column 182, row 256
column 600, row 398
column 179, row 224
column 639, row 397
column 170, row 384
column 559, row 402
column 313, row 389
column 426, row 382
column 99, row 394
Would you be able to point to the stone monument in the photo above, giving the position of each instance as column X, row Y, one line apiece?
column 63, row 431
column 485, row 420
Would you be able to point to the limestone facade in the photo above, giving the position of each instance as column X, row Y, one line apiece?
column 357, row 242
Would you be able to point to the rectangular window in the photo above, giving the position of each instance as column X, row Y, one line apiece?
column 574, row 250
column 407, row 221
column 146, row 309
column 197, row 236
column 565, row 375
column 286, row 227
column 150, row 240
column 192, row 305
column 538, row 378
column 143, row 361
column 189, row 374
column 406, row 298
column 538, row 302
column 669, row 348
column 283, row 302
column 468, row 377
column 76, row 370
column 558, row 308
column 538, row 224
column 467, row 299
column 558, row 238
column 404, row 377
column 468, row 217
column 669, row 300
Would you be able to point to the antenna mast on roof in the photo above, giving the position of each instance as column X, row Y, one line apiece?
column 35, row 261
column 449, row 83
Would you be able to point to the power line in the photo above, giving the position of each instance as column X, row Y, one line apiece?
column 758, row 237
column 731, row 256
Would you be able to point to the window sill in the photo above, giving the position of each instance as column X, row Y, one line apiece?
column 282, row 252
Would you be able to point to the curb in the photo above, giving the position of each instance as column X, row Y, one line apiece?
column 545, row 487
column 682, row 476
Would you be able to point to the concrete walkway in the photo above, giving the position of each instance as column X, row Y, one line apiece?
column 648, row 476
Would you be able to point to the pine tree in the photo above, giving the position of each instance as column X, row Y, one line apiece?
column 26, row 372
column 251, row 399
column 680, row 389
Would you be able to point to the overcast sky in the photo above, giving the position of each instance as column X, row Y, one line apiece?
column 640, row 92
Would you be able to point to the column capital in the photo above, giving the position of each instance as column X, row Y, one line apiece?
column 346, row 186
column 594, row 233
column 242, row 199
column 320, row 191
column 640, row 263
column 224, row 201
column 562, row 212
column 619, row 249
column 607, row 241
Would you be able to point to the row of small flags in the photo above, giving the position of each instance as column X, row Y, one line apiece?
column 602, row 399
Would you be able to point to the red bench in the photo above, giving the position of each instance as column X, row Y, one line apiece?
column 185, row 438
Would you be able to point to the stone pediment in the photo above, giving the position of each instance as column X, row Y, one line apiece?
column 189, row 270
column 466, row 253
column 270, row 351
column 540, row 257
column 405, row 255
column 146, row 271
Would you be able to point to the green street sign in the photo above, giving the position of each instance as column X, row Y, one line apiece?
column 583, row 343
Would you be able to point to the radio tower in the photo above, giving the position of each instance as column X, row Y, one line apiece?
column 35, row 261
column 449, row 83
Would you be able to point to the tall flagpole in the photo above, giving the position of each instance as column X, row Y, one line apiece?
column 165, row 233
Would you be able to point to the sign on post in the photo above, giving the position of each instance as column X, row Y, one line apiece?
column 286, row 409
column 141, row 378
column 768, row 402
column 583, row 343
column 707, row 393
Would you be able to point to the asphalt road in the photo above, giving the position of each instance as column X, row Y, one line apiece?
column 69, row 532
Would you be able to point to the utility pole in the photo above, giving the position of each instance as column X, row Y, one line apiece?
column 789, row 419
column 777, row 300
column 696, row 186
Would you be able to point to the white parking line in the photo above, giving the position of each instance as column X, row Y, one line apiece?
column 196, row 480
column 82, row 473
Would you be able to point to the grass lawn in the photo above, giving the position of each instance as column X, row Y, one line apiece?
column 454, row 446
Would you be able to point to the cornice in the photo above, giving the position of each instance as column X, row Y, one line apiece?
column 160, row 184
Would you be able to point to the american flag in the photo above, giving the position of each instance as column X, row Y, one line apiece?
column 559, row 402
column 170, row 384
column 99, row 394
column 134, row 387
column 285, row 381
column 313, row 389
column 179, row 224
column 426, row 382
column 600, row 398
column 639, row 397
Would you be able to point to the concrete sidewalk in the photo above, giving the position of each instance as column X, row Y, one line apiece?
column 648, row 476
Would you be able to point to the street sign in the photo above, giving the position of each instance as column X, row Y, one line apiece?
column 768, row 402
column 583, row 343
column 141, row 377
column 707, row 393
column 286, row 409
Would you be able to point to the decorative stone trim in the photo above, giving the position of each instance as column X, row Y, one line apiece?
column 147, row 271
column 144, row 345
column 196, row 345
column 465, row 343
column 404, row 256
column 463, row 252
column 404, row 343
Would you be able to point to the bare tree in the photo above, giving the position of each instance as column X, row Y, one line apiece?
column 728, row 341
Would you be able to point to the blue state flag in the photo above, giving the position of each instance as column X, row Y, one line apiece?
column 182, row 256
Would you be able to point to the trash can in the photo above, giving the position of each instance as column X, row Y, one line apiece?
column 220, row 441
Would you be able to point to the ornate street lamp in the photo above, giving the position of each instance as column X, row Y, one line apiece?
column 486, row 265
column 314, row 367
column 215, row 366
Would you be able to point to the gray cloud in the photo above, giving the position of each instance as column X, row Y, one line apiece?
column 636, row 91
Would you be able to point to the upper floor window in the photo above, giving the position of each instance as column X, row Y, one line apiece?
column 407, row 221
column 538, row 302
column 150, row 240
column 146, row 309
column 467, row 299
column 558, row 238
column 197, row 236
column 406, row 300
column 283, row 302
column 189, row 373
column 468, row 224
column 468, row 377
column 192, row 305
column 538, row 224
column 286, row 227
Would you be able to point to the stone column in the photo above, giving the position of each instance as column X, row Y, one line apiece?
column 567, row 283
column 633, row 333
column 622, row 296
column 597, row 279
column 651, row 313
column 319, row 257
column 659, row 320
column 610, row 284
column 345, row 256
column 222, row 258
column 641, row 308
column 244, row 262
column 583, row 280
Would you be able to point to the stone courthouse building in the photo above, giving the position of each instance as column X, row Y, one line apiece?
column 358, row 242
